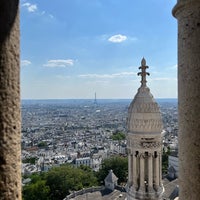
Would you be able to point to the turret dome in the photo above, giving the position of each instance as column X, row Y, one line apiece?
column 144, row 114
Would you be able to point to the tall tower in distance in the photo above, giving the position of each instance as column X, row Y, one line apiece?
column 144, row 140
column 95, row 98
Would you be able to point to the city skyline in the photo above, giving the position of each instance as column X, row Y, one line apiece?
column 73, row 49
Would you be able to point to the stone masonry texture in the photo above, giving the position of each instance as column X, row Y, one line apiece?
column 188, row 15
column 10, row 141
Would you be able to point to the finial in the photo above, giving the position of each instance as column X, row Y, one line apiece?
column 143, row 62
column 143, row 73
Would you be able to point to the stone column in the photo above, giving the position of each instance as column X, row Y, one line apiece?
column 129, row 168
column 150, row 173
column 160, row 171
column 157, row 166
column 154, row 170
column 10, row 141
column 142, row 185
column 135, row 172
column 188, row 16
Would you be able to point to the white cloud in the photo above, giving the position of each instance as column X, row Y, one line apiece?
column 163, row 79
column 116, row 75
column 25, row 62
column 59, row 63
column 174, row 66
column 95, row 76
column 30, row 7
column 124, row 74
column 51, row 16
column 117, row 38
column 43, row 12
column 62, row 77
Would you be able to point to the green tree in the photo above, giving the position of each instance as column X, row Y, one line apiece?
column 42, row 144
column 36, row 191
column 58, row 182
column 29, row 160
column 89, row 176
column 118, row 136
column 165, row 155
column 64, row 179
column 118, row 164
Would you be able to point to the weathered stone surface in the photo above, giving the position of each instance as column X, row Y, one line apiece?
column 188, row 15
column 10, row 168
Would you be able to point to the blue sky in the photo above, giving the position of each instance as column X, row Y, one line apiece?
column 74, row 48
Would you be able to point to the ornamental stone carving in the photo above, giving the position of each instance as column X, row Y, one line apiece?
column 136, row 144
column 145, row 125
column 146, row 107
column 150, row 144
column 144, row 145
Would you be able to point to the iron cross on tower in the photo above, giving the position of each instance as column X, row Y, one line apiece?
column 143, row 73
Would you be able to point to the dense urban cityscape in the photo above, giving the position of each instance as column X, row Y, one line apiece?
column 81, row 132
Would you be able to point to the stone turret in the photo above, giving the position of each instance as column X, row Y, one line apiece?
column 144, row 126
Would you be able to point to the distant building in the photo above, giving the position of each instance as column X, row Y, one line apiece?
column 110, row 181
column 82, row 161
column 95, row 98
column 173, row 165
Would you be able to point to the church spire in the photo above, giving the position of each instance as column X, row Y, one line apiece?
column 143, row 73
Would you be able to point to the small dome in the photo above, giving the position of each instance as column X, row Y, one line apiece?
column 144, row 114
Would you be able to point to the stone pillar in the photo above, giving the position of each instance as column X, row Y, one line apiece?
column 142, row 185
column 154, row 171
column 135, row 171
column 150, row 172
column 157, row 181
column 160, row 167
column 10, row 141
column 129, row 169
column 188, row 16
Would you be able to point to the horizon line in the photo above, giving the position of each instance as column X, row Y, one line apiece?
column 91, row 98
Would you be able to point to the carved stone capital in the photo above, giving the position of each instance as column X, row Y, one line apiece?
column 142, row 155
column 150, row 154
